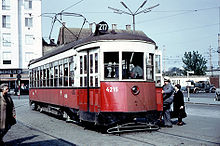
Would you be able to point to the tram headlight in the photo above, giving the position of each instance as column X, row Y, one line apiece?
column 135, row 90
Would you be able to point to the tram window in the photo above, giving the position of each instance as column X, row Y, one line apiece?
column 85, row 81
column 149, row 67
column 81, row 64
column 71, row 74
column 47, row 78
column 132, row 65
column 81, row 81
column 96, row 62
column 37, row 81
column 66, row 74
column 157, row 64
column 44, row 77
column 51, row 76
column 91, row 81
column 61, row 75
column 85, row 64
column 111, row 64
column 56, row 81
column 91, row 63
column 96, row 81
column 31, row 77
column 34, row 78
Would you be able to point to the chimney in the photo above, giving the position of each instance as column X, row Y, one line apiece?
column 128, row 27
column 114, row 26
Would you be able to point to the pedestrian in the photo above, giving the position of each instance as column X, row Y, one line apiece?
column 167, row 101
column 7, row 112
column 178, row 105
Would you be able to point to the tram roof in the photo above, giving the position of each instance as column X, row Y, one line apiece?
column 91, row 39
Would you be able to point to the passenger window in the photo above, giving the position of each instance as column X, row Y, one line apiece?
column 85, row 64
column 44, row 77
column 47, row 70
column 81, row 64
column 150, row 66
column 61, row 75
column 157, row 64
column 34, row 78
column 66, row 74
column 132, row 65
column 111, row 65
column 96, row 62
column 91, row 63
column 71, row 74
column 56, row 77
column 51, row 76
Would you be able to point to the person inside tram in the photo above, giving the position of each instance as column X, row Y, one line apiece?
column 137, row 71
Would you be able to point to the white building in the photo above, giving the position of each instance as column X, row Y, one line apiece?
column 20, row 38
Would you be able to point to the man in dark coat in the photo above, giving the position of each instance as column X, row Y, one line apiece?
column 167, row 101
column 178, row 105
column 7, row 112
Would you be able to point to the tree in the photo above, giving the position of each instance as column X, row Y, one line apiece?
column 193, row 61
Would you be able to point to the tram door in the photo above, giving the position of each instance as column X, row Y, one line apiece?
column 89, row 80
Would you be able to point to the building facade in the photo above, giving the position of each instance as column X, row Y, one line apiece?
column 20, row 39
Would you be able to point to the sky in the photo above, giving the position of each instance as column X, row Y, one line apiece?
column 177, row 26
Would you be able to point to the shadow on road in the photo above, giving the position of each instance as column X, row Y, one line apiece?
column 30, row 141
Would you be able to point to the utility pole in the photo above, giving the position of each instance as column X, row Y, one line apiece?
column 133, row 14
column 219, row 41
column 210, row 59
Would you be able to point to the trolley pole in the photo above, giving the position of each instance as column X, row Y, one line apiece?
column 133, row 14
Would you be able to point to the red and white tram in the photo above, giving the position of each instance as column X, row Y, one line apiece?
column 90, row 79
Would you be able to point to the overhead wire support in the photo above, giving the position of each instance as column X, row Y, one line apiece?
column 133, row 14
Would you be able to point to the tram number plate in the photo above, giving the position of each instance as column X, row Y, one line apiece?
column 112, row 89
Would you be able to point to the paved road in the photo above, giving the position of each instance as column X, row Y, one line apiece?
column 34, row 128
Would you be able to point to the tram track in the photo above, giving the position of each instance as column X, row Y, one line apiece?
column 45, row 133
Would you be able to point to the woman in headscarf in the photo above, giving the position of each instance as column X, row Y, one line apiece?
column 7, row 112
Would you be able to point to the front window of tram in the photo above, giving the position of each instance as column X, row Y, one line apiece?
column 132, row 65
column 111, row 65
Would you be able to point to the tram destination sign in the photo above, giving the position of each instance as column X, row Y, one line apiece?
column 10, row 71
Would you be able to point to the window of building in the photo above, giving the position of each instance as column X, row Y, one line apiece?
column 6, row 39
column 6, row 57
column 28, row 22
column 28, row 4
column 29, row 39
column 111, row 64
column 6, row 21
column 5, row 4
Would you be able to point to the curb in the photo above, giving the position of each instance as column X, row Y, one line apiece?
column 203, row 103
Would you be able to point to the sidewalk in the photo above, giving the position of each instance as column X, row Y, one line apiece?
column 198, row 100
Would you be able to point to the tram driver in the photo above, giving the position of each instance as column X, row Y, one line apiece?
column 137, row 71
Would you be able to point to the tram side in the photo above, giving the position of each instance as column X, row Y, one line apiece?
column 93, row 82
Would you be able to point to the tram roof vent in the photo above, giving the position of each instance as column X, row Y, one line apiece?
column 114, row 26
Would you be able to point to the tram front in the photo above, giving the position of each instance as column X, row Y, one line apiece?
column 127, row 81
